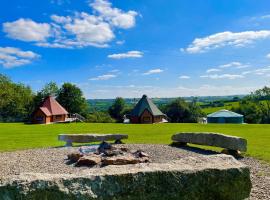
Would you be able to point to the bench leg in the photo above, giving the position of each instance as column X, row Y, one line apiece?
column 118, row 142
column 68, row 143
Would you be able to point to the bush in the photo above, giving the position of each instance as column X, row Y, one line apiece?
column 16, row 101
column 180, row 111
column 99, row 117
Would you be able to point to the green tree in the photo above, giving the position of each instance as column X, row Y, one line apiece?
column 71, row 98
column 50, row 88
column 99, row 117
column 16, row 100
column 262, row 99
column 116, row 110
column 250, row 110
column 180, row 111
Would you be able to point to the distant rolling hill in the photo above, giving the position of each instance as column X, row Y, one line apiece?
column 206, row 102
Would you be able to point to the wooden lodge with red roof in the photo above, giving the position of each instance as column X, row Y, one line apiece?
column 50, row 111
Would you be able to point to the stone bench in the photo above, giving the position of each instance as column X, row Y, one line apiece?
column 228, row 142
column 87, row 138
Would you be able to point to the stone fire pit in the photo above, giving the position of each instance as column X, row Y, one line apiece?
column 106, row 154
column 172, row 174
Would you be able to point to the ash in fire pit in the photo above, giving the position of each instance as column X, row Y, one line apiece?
column 106, row 154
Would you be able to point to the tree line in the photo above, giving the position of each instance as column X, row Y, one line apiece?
column 255, row 107
column 18, row 101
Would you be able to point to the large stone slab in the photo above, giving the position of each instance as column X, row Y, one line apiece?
column 86, row 138
column 208, row 177
column 212, row 139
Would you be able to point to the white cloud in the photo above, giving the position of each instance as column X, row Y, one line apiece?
column 213, row 70
column 223, row 76
column 153, row 71
column 231, row 64
column 27, row 30
column 75, row 31
column 115, row 71
column 234, row 65
column 268, row 56
column 120, row 42
column 129, row 54
column 265, row 17
column 103, row 77
column 89, row 30
column 262, row 71
column 239, row 39
column 61, row 19
column 184, row 77
column 246, row 72
column 13, row 57
column 258, row 71
column 114, row 16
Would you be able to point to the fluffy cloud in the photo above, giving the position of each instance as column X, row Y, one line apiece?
column 223, row 76
column 268, row 56
column 76, row 31
column 227, row 38
column 89, row 30
column 153, row 71
column 213, row 70
column 262, row 71
column 237, row 65
column 233, row 65
column 129, row 54
column 114, row 16
column 13, row 57
column 184, row 77
column 27, row 30
column 103, row 77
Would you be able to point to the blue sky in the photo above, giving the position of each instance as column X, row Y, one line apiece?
column 128, row 48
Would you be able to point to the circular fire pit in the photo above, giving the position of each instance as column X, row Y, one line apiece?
column 106, row 154
column 173, row 173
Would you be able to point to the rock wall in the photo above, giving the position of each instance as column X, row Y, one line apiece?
column 210, row 177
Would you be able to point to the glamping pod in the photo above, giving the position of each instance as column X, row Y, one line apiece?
column 225, row 116
column 146, row 112
column 50, row 111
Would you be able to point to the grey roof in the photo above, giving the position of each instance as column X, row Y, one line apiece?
column 224, row 113
column 145, row 103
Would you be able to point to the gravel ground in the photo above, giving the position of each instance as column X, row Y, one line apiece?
column 53, row 161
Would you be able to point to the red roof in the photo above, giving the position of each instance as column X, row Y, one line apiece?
column 51, row 107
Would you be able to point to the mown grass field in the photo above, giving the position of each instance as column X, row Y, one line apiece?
column 14, row 136
column 227, row 106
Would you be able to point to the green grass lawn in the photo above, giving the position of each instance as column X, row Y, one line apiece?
column 227, row 106
column 14, row 136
